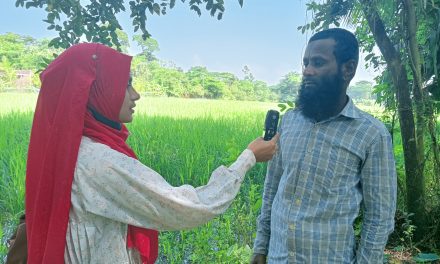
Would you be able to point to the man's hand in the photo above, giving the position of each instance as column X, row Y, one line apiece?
column 264, row 150
column 258, row 259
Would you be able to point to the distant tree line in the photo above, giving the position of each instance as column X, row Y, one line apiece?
column 156, row 77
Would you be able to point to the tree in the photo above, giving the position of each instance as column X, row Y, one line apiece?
column 148, row 46
column 262, row 92
column 123, row 40
column 287, row 89
column 7, row 74
column 361, row 90
column 19, row 52
column 214, row 88
column 96, row 20
column 247, row 73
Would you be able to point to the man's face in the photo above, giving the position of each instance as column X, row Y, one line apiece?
column 322, row 84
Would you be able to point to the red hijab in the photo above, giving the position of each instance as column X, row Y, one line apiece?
column 87, row 75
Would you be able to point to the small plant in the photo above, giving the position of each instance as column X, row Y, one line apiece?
column 286, row 106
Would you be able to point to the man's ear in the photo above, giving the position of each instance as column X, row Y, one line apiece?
column 349, row 70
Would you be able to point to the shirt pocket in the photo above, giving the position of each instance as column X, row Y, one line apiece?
column 337, row 169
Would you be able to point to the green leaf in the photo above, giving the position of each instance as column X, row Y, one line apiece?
column 30, row 4
column 282, row 107
column 369, row 56
column 54, row 42
column 290, row 104
column 209, row 5
column 426, row 257
column 213, row 10
column 172, row 3
column 51, row 17
column 240, row 2
column 196, row 9
column 47, row 61
column 257, row 205
column 219, row 16
column 156, row 8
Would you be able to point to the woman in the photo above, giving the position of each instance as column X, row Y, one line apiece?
column 88, row 199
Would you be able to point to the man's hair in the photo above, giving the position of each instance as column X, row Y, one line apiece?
column 347, row 46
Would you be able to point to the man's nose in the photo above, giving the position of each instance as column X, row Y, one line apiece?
column 308, row 70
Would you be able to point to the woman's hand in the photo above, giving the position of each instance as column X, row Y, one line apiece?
column 264, row 150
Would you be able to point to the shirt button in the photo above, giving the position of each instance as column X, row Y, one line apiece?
column 297, row 201
column 292, row 254
column 292, row 227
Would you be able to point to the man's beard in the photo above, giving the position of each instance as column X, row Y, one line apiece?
column 321, row 100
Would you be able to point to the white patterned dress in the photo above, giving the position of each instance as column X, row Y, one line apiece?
column 111, row 190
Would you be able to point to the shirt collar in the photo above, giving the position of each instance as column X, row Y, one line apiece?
column 350, row 110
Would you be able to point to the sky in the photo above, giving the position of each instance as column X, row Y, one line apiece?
column 262, row 35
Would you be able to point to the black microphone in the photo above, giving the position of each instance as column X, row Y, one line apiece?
column 271, row 124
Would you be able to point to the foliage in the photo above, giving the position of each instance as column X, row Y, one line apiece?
column 156, row 79
column 148, row 46
column 22, row 53
column 151, row 75
column 7, row 74
column 288, row 87
column 426, row 258
column 361, row 90
column 97, row 21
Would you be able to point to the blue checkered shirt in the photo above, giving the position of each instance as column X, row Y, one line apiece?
column 323, row 173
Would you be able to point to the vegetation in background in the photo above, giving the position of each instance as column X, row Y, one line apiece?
column 155, row 77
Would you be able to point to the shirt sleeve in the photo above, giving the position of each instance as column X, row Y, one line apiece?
column 379, row 188
column 273, row 176
column 123, row 189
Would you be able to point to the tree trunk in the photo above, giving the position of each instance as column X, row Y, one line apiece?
column 415, row 183
column 434, row 144
column 416, row 67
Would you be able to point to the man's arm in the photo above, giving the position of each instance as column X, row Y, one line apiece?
column 379, row 188
column 273, row 175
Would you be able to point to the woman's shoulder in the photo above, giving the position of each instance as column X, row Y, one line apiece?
column 97, row 154
column 90, row 150
column 92, row 147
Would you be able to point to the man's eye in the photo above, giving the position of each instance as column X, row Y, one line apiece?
column 318, row 63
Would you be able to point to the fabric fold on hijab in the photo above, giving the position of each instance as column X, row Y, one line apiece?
column 85, row 75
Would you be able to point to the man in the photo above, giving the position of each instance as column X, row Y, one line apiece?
column 333, row 159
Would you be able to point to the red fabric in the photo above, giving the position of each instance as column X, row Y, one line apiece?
column 84, row 75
